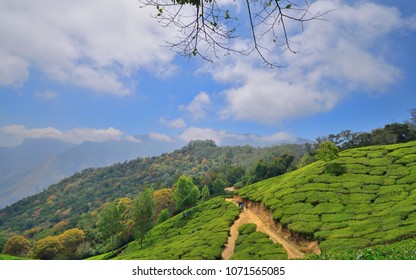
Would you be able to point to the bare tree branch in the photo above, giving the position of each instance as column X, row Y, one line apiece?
column 207, row 28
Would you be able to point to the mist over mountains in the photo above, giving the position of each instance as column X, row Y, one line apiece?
column 35, row 164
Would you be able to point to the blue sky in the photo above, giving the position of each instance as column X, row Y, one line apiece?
column 93, row 70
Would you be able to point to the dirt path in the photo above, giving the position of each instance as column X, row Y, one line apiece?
column 256, row 214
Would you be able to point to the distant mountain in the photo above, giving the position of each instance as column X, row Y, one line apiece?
column 35, row 164
column 27, row 155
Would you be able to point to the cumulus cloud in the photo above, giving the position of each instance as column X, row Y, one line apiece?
column 334, row 58
column 197, row 108
column 93, row 44
column 174, row 123
column 75, row 135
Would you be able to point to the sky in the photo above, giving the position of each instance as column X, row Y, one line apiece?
column 99, row 70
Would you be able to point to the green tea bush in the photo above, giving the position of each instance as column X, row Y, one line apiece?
column 304, row 228
column 328, row 208
column 373, row 202
column 397, row 170
column 252, row 245
column 200, row 235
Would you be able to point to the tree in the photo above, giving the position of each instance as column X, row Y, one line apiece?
column 205, row 195
column 70, row 240
column 46, row 248
column 327, row 151
column 17, row 246
column 186, row 193
column 164, row 200
column 114, row 220
column 163, row 216
column 143, row 212
column 208, row 28
column 3, row 240
column 218, row 186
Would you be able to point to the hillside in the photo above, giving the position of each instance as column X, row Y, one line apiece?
column 359, row 205
column 369, row 201
column 74, row 199
column 35, row 164
column 365, row 210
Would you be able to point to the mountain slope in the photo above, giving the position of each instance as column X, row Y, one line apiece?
column 369, row 201
column 86, row 191
column 36, row 164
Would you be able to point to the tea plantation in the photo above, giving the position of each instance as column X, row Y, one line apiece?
column 200, row 235
column 252, row 245
column 364, row 198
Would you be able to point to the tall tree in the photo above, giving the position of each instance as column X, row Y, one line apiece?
column 186, row 193
column 114, row 219
column 143, row 213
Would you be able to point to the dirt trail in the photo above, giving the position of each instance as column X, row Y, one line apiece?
column 255, row 213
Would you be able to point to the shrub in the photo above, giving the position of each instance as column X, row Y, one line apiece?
column 17, row 246
column 247, row 229
column 46, row 248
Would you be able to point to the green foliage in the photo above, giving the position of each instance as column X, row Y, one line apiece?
column 3, row 240
column 114, row 221
column 186, row 193
column 143, row 212
column 8, row 257
column 372, row 203
column 327, row 151
column 63, row 246
column 164, row 215
column 252, row 245
column 17, row 246
column 78, row 198
column 47, row 248
column 200, row 235
column 205, row 195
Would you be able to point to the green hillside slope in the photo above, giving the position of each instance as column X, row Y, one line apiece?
column 199, row 235
column 74, row 199
column 370, row 200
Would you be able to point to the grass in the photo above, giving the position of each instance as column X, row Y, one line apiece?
column 371, row 203
column 253, row 245
column 8, row 257
column 198, row 236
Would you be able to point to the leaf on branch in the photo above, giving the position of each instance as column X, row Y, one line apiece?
column 289, row 6
column 227, row 14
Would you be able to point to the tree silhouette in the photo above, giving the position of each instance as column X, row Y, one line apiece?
column 207, row 28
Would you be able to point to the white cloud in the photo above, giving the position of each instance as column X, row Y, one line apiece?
column 197, row 108
column 13, row 70
column 222, row 137
column 174, row 123
column 75, row 135
column 132, row 139
column 334, row 58
column 196, row 133
column 93, row 44
column 160, row 137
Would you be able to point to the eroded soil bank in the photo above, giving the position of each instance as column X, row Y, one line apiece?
column 256, row 213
